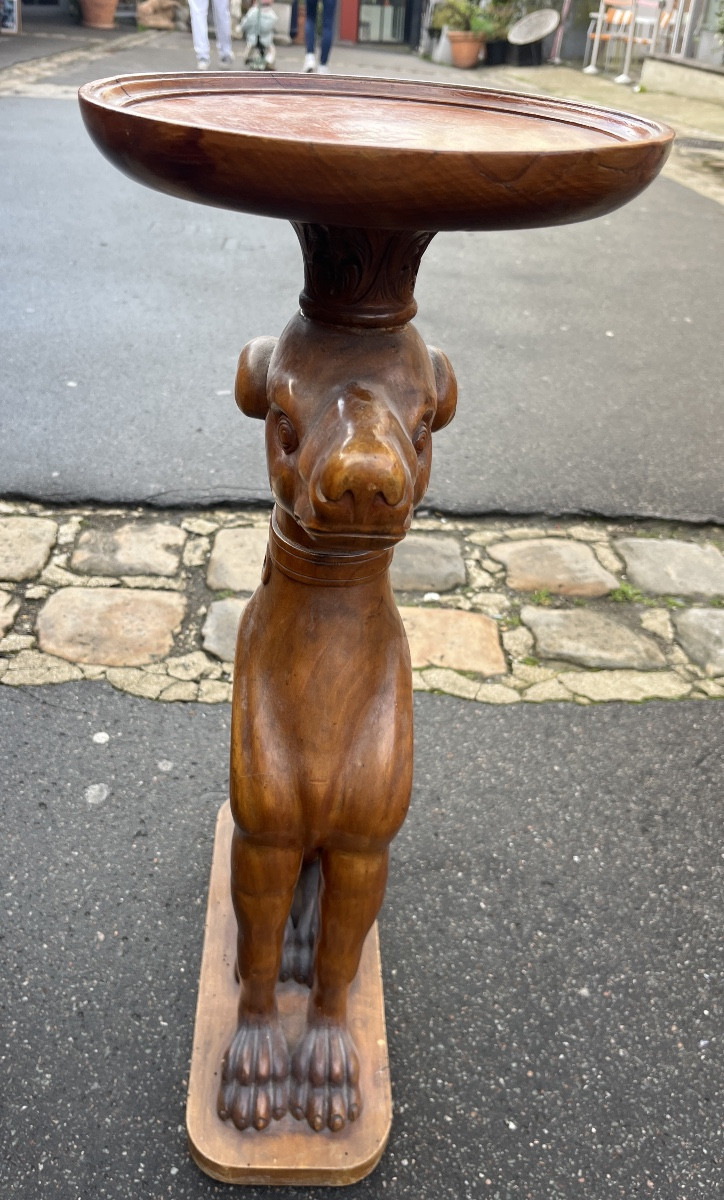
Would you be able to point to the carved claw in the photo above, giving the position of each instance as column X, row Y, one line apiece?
column 255, row 1076
column 325, row 1079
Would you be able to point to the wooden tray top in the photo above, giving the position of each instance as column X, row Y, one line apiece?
column 372, row 153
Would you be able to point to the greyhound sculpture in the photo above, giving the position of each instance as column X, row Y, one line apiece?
column 321, row 757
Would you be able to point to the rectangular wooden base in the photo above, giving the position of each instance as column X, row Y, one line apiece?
column 288, row 1152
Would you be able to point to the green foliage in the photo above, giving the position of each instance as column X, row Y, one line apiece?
column 542, row 596
column 456, row 14
column 490, row 17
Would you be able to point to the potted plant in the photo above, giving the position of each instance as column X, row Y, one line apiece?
column 96, row 14
column 498, row 16
column 463, row 20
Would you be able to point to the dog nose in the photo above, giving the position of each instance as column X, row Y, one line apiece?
column 368, row 481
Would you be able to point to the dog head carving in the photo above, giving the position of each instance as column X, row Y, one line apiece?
column 349, row 417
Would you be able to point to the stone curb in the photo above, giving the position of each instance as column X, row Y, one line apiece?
column 497, row 610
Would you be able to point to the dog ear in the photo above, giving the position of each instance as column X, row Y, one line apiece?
column 447, row 389
column 251, row 377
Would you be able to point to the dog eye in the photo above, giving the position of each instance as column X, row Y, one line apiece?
column 420, row 439
column 287, row 435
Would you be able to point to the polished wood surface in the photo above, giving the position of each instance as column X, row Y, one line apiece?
column 321, row 747
column 288, row 1152
column 321, row 750
column 383, row 153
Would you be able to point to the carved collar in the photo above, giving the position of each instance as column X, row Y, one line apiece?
column 320, row 567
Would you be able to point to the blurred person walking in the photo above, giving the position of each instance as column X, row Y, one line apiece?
column 199, row 10
column 328, row 12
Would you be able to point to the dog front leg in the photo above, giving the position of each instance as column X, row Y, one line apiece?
column 255, row 1076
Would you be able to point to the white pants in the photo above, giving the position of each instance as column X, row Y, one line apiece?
column 200, row 29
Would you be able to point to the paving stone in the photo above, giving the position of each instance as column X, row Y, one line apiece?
column 419, row 683
column 17, row 641
column 525, row 532
column 91, row 672
column 495, row 604
column 188, row 667
column 518, row 642
column 587, row 533
column 478, row 577
column 658, row 621
column 25, row 545
column 591, row 639
column 8, row 608
column 56, row 576
column 30, row 669
column 4, row 664
column 237, row 559
column 701, row 633
column 196, row 551
column 199, row 525
column 180, row 691
column 213, row 691
column 447, row 638
column 607, row 558
column 526, row 674
column 118, row 628
column 667, row 567
column 550, row 690
column 138, row 683
column 164, row 583
column 137, row 548
column 484, row 537
column 221, row 626
column 561, row 567
column 626, row 685
column 69, row 530
column 427, row 563
column 442, row 680
column 712, row 687
column 497, row 693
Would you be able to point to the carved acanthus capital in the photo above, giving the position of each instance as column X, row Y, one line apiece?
column 360, row 276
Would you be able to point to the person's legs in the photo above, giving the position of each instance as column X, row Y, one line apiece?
column 199, row 11
column 222, row 25
column 310, row 26
column 328, row 10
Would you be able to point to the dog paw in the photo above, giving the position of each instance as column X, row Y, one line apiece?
column 255, row 1076
column 325, row 1078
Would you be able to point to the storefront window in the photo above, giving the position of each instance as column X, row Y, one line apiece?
column 382, row 21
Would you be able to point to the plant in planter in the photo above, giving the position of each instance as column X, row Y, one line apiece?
column 498, row 16
column 463, row 20
column 96, row 14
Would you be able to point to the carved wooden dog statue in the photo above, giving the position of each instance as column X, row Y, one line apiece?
column 321, row 759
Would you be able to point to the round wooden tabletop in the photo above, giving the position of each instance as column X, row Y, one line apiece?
column 373, row 153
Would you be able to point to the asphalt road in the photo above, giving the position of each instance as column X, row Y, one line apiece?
column 551, row 939
column 590, row 357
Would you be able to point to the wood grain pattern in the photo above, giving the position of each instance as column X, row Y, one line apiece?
column 288, row 1152
column 321, row 755
column 379, row 153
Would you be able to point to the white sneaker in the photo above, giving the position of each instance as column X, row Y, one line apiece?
column 310, row 63
column 322, row 69
column 202, row 64
column 227, row 60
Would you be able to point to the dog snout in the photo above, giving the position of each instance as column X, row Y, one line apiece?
column 369, row 480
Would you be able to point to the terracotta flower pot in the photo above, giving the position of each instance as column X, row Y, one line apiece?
column 99, row 14
column 465, row 47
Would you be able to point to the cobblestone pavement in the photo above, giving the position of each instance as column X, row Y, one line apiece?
column 496, row 610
